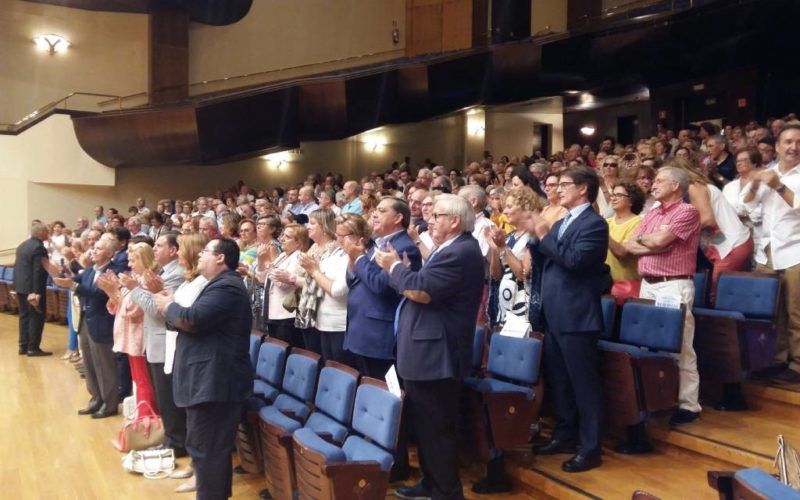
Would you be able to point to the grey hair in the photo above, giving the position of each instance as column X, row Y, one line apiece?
column 452, row 204
column 477, row 192
column 38, row 230
column 678, row 175
column 539, row 166
column 720, row 139
column 210, row 220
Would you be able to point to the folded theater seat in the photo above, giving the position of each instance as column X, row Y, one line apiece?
column 358, row 468
column 640, row 376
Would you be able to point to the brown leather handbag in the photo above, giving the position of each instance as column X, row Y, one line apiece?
column 145, row 431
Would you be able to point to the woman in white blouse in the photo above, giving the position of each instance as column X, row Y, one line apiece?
column 282, row 280
column 189, row 248
column 747, row 163
column 326, row 268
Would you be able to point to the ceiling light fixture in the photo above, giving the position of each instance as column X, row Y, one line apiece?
column 51, row 43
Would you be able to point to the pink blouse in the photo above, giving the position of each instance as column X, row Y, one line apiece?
column 128, row 326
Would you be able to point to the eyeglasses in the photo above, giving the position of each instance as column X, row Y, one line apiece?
column 553, row 185
column 429, row 204
column 565, row 185
column 611, row 165
column 436, row 216
column 339, row 235
column 620, row 195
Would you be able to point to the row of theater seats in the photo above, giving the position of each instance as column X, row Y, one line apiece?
column 328, row 433
column 57, row 298
column 733, row 336
column 317, row 433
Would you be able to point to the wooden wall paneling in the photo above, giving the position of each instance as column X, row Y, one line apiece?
column 322, row 110
column 424, row 27
column 456, row 24
column 148, row 137
column 480, row 23
column 168, row 65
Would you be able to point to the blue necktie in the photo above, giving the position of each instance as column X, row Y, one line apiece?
column 563, row 227
column 404, row 299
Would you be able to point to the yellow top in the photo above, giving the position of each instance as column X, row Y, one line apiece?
column 624, row 269
column 502, row 222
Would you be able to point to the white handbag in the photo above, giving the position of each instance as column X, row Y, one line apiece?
column 152, row 464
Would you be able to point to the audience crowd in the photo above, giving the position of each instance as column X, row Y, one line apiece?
column 366, row 271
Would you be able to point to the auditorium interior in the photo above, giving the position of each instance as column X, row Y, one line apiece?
column 106, row 101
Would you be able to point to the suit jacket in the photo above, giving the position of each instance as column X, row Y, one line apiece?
column 155, row 331
column 119, row 262
column 371, row 302
column 99, row 321
column 434, row 339
column 212, row 362
column 29, row 274
column 574, row 274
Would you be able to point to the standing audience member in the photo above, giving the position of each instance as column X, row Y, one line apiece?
column 170, row 277
column 627, row 201
column 435, row 326
column 213, row 374
column 735, row 192
column 371, row 302
column 574, row 276
column 281, row 280
column 129, row 324
column 30, row 283
column 781, row 208
column 96, row 333
column 553, row 212
column 326, row 279
column 666, row 243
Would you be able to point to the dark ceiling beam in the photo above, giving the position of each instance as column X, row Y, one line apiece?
column 213, row 12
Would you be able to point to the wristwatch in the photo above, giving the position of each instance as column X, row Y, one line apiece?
column 781, row 189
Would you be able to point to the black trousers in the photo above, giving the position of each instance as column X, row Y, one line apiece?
column 572, row 371
column 332, row 346
column 210, row 435
column 284, row 329
column 311, row 340
column 174, row 418
column 31, row 322
column 434, row 412
column 372, row 367
column 124, row 379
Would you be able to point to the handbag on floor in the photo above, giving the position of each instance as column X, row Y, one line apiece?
column 146, row 431
column 152, row 464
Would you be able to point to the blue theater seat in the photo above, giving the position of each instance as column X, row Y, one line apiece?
column 360, row 467
column 757, row 484
column 739, row 334
column 333, row 407
column 639, row 375
column 270, row 360
column 504, row 405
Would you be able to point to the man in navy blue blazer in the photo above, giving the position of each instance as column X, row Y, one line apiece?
column 96, row 333
column 573, row 278
column 435, row 325
column 371, row 302
column 212, row 374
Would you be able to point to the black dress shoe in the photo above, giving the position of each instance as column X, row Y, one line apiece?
column 492, row 487
column 582, row 463
column 555, row 447
column 23, row 352
column 682, row 416
column 38, row 353
column 416, row 492
column 104, row 413
column 733, row 405
column 89, row 410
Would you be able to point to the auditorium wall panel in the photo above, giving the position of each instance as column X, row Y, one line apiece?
column 548, row 15
column 512, row 133
column 298, row 34
column 108, row 56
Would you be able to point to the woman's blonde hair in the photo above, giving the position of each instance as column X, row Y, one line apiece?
column 145, row 254
column 189, row 247
column 524, row 198
column 690, row 167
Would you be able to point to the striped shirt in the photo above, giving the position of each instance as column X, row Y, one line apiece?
column 680, row 258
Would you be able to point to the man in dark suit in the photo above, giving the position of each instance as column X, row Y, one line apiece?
column 96, row 332
column 30, row 283
column 435, row 323
column 573, row 278
column 212, row 374
column 371, row 302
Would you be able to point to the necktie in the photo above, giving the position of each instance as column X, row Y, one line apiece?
column 563, row 227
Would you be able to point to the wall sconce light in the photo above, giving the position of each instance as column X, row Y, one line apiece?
column 375, row 143
column 587, row 130
column 277, row 160
column 51, row 43
column 478, row 130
